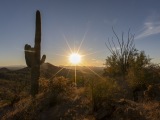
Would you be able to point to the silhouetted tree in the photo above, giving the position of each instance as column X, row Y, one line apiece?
column 118, row 63
column 128, row 64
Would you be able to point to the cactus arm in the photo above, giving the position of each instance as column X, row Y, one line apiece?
column 27, row 50
column 43, row 59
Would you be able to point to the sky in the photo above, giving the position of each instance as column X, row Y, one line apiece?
column 79, row 24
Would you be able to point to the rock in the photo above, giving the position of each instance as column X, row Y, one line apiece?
column 152, row 92
column 106, row 111
column 127, row 113
column 120, row 110
column 101, row 114
column 138, row 92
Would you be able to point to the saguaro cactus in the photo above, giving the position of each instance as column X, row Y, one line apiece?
column 32, row 56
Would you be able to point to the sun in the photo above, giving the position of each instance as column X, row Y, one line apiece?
column 75, row 58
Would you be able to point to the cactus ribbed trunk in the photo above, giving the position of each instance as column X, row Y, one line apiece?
column 35, row 69
column 35, row 73
column 37, row 45
column 32, row 56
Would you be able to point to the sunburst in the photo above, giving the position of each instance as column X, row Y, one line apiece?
column 75, row 58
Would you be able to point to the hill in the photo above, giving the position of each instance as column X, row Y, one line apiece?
column 47, row 71
column 3, row 69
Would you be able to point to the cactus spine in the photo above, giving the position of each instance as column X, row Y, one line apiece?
column 32, row 57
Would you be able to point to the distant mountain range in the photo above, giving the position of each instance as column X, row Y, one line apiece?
column 17, row 67
column 13, row 67
column 48, row 71
column 3, row 69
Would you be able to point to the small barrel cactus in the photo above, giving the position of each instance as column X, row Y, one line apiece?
column 32, row 57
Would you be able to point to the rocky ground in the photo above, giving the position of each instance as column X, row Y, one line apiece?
column 77, row 106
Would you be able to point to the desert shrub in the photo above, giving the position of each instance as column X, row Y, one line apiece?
column 57, row 86
column 131, row 68
column 141, row 74
column 137, row 73
column 23, row 110
column 102, row 91
column 152, row 73
column 51, row 93
column 54, row 88
column 12, row 91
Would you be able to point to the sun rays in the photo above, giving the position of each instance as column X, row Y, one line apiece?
column 75, row 58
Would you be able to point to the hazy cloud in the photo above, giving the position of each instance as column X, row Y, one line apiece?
column 151, row 26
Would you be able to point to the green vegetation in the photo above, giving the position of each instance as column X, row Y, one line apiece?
column 131, row 69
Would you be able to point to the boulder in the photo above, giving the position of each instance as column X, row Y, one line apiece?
column 152, row 92
column 120, row 110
